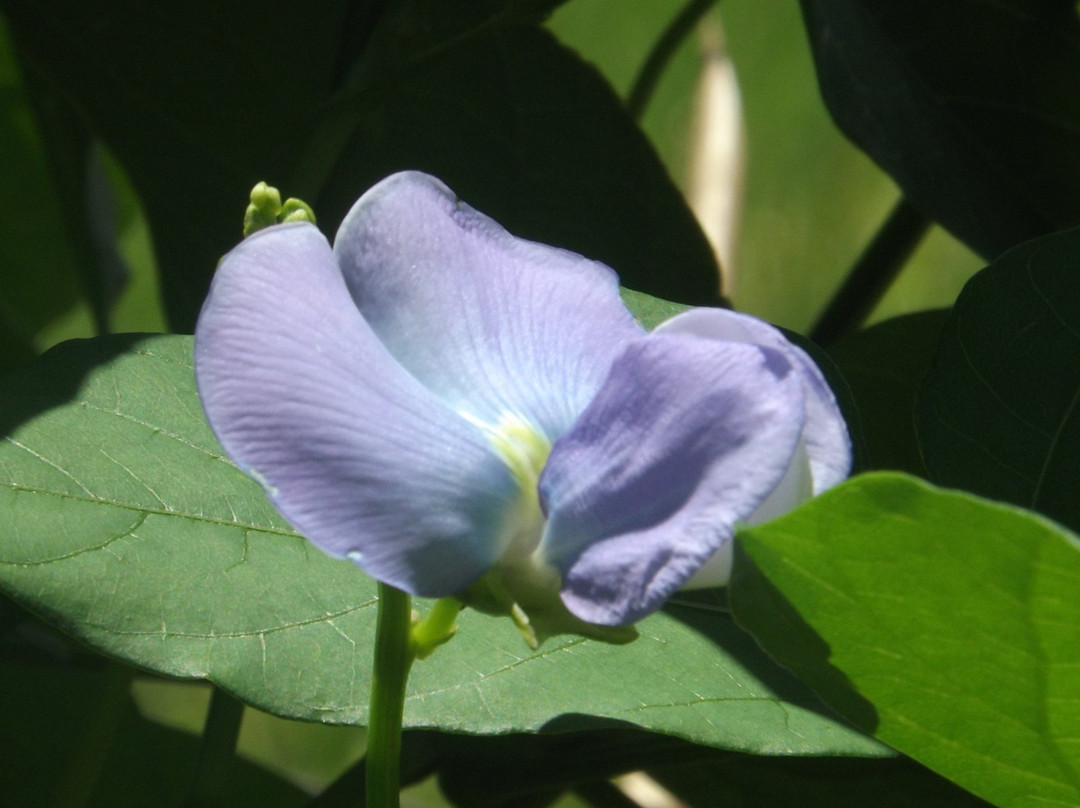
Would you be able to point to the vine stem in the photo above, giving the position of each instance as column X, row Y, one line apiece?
column 394, row 654
column 662, row 51
column 872, row 274
column 217, row 750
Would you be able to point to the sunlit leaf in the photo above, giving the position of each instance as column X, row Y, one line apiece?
column 123, row 524
column 944, row 624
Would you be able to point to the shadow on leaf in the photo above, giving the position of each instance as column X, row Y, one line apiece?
column 56, row 377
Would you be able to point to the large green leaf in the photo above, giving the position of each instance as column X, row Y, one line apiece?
column 944, row 624
column 970, row 105
column 202, row 101
column 997, row 414
column 122, row 523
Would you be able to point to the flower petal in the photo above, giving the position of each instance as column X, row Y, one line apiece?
column 352, row 450
column 828, row 445
column 492, row 324
column 686, row 437
column 792, row 490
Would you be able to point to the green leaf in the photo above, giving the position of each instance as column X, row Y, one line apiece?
column 85, row 199
column 650, row 311
column 997, row 414
column 944, row 624
column 970, row 106
column 617, row 39
column 16, row 350
column 883, row 366
column 124, row 524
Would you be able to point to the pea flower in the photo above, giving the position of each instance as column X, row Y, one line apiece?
column 465, row 413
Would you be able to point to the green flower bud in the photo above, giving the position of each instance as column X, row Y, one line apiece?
column 296, row 210
column 263, row 210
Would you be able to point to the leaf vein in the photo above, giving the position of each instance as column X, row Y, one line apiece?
column 237, row 635
column 275, row 531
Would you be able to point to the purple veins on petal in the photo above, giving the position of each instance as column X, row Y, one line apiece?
column 352, row 449
column 490, row 323
column 686, row 437
column 825, row 435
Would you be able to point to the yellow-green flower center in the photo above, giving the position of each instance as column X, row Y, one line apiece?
column 522, row 585
column 524, row 450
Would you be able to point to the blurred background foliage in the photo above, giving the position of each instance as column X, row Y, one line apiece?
column 808, row 204
column 811, row 200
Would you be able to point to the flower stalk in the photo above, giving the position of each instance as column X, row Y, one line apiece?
column 394, row 654
column 435, row 629
column 873, row 274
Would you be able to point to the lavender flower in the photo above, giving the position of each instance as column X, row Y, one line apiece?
column 462, row 412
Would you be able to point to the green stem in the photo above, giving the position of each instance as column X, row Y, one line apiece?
column 662, row 51
column 437, row 628
column 393, row 657
column 872, row 274
column 217, row 750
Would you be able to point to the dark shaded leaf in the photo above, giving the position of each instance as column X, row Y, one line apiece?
column 509, row 771
column 198, row 101
column 517, row 770
column 16, row 351
column 973, row 106
column 884, row 366
column 325, row 103
column 750, row 781
column 997, row 414
column 526, row 132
